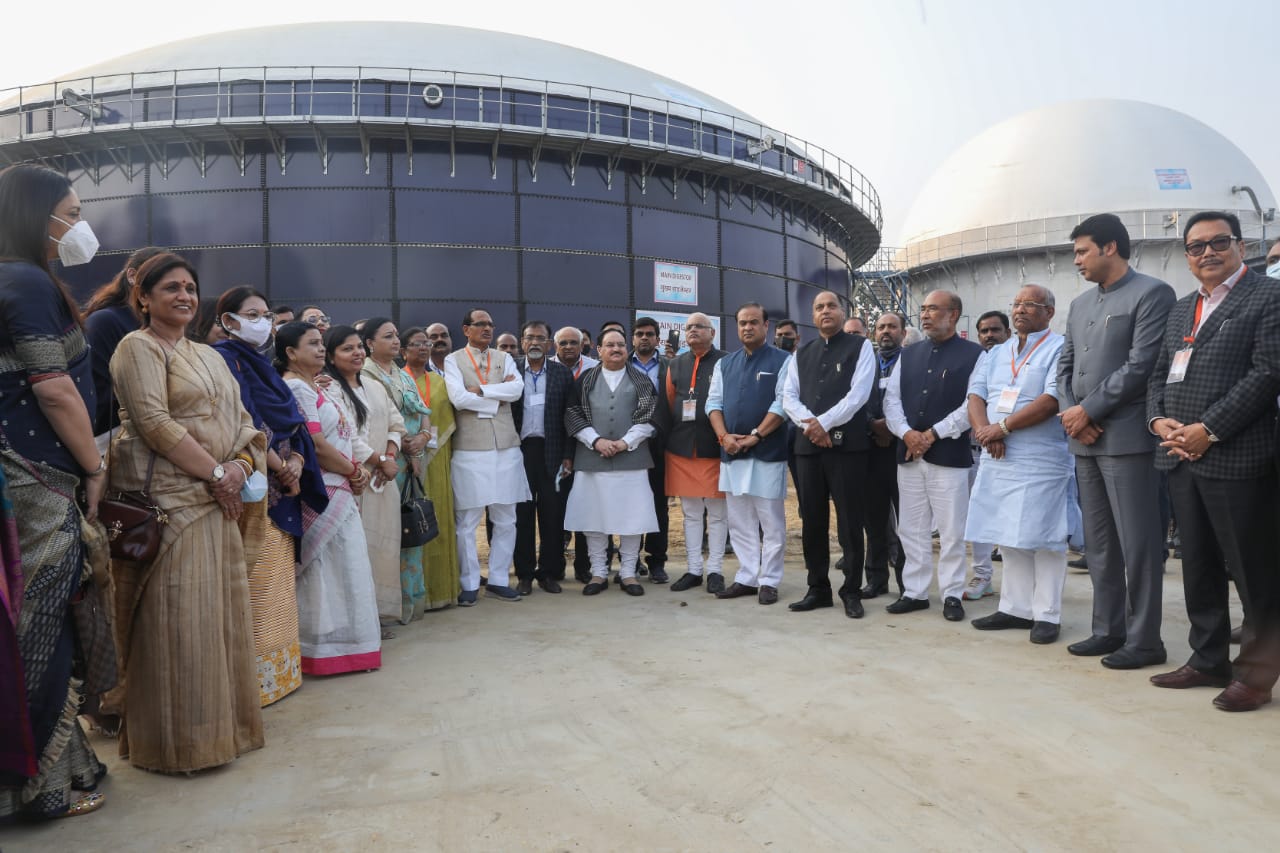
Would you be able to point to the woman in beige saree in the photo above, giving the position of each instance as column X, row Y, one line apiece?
column 183, row 623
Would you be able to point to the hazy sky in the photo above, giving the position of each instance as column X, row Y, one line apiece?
column 893, row 87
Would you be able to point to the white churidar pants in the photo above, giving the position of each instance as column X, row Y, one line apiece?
column 717, row 533
column 628, row 550
column 1032, row 587
column 501, row 547
column 932, row 496
column 759, row 556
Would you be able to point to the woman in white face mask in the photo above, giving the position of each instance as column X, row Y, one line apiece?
column 294, row 478
column 47, row 453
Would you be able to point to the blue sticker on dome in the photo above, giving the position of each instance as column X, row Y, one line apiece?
column 1173, row 179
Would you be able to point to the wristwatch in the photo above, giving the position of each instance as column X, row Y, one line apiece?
column 218, row 473
column 383, row 457
column 1213, row 439
column 756, row 432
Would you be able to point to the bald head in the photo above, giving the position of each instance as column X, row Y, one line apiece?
column 569, row 345
column 699, row 333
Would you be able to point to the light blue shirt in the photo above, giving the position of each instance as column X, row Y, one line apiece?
column 750, row 476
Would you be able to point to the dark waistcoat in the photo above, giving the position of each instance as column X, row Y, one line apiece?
column 686, row 437
column 934, row 381
column 825, row 368
column 750, row 388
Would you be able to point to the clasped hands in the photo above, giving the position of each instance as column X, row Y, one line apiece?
column 991, row 437
column 1185, row 441
column 609, row 447
column 734, row 444
column 1077, row 424
column 227, row 490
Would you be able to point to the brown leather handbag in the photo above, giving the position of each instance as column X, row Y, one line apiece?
column 133, row 521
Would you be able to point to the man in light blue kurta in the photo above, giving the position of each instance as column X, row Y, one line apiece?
column 1019, row 500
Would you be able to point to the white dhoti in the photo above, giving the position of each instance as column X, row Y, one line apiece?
column 1033, row 582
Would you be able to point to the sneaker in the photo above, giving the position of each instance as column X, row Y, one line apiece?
column 502, row 593
column 467, row 598
column 977, row 589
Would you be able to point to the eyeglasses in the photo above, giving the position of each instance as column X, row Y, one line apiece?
column 536, row 339
column 482, row 324
column 254, row 316
column 414, row 344
column 318, row 319
column 1220, row 244
column 693, row 327
column 1015, row 306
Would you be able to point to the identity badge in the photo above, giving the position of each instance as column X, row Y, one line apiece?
column 1008, row 399
column 1178, row 368
column 690, row 411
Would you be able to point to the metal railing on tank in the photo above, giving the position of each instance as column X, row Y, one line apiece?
column 279, row 95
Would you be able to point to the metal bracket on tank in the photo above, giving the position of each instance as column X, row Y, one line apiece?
column 195, row 148
column 322, row 145
column 534, row 156
column 612, row 162
column 365, row 147
column 408, row 147
column 121, row 157
column 575, row 156
column 236, row 145
column 279, row 147
column 158, row 157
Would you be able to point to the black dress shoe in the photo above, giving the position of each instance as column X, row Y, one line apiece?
column 840, row 565
column 686, row 581
column 524, row 586
column 595, row 587
column 715, row 583
column 952, row 609
column 550, row 585
column 657, row 574
column 1043, row 633
column 768, row 595
column 1078, row 563
column 907, row 605
column 1098, row 644
column 1187, row 676
column 1131, row 658
column 1000, row 621
column 737, row 590
column 583, row 576
column 873, row 590
column 632, row 587
column 853, row 607
column 813, row 599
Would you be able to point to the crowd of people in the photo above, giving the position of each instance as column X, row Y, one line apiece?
column 278, row 451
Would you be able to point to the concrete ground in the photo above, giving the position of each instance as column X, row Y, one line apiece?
column 679, row 722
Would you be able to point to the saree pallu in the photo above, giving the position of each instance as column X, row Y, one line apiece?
column 440, row 555
column 338, row 626
column 53, row 559
column 274, row 603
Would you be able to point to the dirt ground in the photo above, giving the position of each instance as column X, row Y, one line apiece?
column 679, row 722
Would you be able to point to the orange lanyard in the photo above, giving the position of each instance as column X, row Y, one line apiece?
column 577, row 370
column 488, row 360
column 1195, row 327
column 697, row 359
column 1016, row 367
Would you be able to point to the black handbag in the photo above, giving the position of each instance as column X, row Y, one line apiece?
column 417, row 515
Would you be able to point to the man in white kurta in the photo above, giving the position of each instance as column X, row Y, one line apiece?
column 488, row 468
column 1020, row 498
column 744, row 405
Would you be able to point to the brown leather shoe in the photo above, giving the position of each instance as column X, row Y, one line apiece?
column 736, row 590
column 1188, row 676
column 1241, row 697
column 768, row 595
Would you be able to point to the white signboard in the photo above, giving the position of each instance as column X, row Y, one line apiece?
column 675, row 284
column 668, row 320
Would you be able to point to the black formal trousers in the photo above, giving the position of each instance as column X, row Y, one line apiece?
column 545, row 512
column 1230, row 525
column 883, row 547
column 655, row 544
column 833, row 477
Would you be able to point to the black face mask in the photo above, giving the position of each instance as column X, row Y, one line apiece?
column 785, row 344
